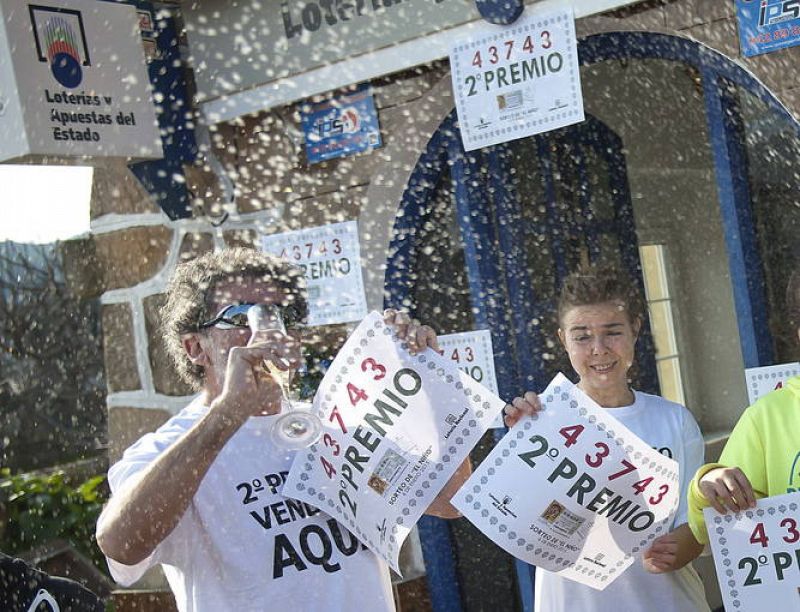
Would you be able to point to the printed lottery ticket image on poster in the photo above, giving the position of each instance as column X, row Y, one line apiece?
column 572, row 490
column 396, row 427
column 757, row 554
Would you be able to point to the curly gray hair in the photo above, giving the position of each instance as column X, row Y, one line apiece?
column 192, row 284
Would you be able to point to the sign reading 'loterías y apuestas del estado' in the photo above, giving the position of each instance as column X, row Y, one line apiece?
column 74, row 81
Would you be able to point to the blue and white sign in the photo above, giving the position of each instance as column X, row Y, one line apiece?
column 341, row 126
column 73, row 82
column 768, row 25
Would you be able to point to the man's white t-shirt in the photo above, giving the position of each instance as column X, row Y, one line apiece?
column 671, row 430
column 241, row 545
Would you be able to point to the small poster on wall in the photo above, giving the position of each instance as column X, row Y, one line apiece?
column 472, row 353
column 341, row 126
column 515, row 81
column 767, row 25
column 73, row 82
column 330, row 257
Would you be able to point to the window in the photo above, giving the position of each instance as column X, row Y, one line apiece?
column 662, row 324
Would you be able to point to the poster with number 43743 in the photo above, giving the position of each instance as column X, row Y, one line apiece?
column 763, row 380
column 757, row 554
column 573, row 491
column 396, row 427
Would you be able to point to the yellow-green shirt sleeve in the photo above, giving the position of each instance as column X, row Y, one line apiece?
column 745, row 450
column 697, row 501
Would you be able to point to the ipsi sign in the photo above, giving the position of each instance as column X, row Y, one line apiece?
column 768, row 25
column 76, row 83
column 341, row 126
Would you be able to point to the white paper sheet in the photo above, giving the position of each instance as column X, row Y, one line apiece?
column 572, row 490
column 472, row 353
column 514, row 81
column 330, row 257
column 395, row 428
column 757, row 554
column 761, row 381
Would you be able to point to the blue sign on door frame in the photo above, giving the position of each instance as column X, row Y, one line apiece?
column 767, row 25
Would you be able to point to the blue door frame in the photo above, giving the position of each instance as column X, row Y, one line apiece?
column 445, row 148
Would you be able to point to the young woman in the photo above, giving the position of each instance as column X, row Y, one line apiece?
column 599, row 315
column 762, row 456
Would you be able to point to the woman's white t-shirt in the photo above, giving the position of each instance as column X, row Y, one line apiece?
column 670, row 429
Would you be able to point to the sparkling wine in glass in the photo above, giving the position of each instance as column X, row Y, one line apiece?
column 296, row 427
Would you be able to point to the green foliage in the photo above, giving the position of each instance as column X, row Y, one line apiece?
column 41, row 508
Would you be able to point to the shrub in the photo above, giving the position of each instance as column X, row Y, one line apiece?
column 40, row 508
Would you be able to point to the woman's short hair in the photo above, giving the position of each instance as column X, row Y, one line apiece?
column 599, row 284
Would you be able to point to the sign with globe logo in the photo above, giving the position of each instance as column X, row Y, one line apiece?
column 61, row 41
column 76, row 81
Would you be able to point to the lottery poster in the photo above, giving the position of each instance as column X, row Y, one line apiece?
column 761, row 381
column 473, row 354
column 395, row 428
column 514, row 81
column 573, row 491
column 757, row 554
column 330, row 257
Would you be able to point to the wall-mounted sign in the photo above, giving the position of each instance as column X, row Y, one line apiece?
column 288, row 38
column 515, row 81
column 330, row 257
column 74, row 81
column 768, row 25
column 341, row 126
column 763, row 380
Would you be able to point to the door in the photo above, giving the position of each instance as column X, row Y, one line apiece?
column 484, row 238
column 562, row 201
column 525, row 214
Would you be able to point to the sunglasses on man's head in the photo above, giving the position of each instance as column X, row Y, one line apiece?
column 234, row 316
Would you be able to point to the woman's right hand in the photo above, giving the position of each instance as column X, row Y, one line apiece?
column 727, row 488
column 527, row 405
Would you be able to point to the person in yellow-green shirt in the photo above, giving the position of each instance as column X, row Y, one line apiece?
column 762, row 455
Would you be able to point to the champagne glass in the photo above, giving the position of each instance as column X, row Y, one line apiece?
column 296, row 427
